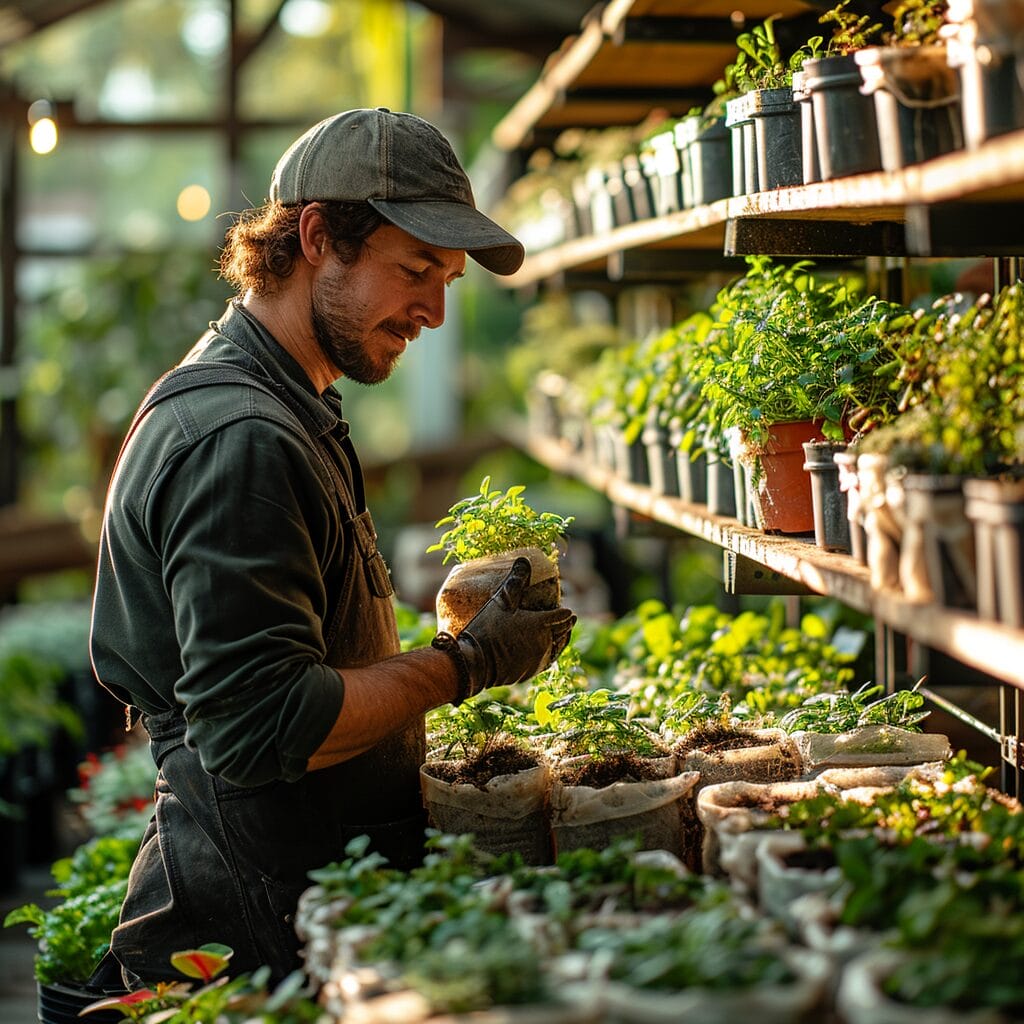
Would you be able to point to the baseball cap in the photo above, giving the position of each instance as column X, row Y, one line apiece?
column 406, row 170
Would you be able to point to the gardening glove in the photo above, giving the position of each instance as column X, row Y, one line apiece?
column 504, row 644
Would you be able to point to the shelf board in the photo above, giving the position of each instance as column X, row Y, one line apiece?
column 987, row 646
column 673, row 70
column 992, row 173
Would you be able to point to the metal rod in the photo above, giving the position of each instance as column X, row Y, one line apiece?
column 959, row 713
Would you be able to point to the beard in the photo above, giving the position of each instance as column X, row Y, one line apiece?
column 343, row 335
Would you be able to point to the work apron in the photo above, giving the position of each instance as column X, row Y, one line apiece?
column 224, row 863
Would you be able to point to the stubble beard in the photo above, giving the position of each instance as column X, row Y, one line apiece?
column 342, row 335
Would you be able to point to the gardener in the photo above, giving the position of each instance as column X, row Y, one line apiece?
column 241, row 605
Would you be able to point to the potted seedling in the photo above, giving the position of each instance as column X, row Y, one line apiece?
column 435, row 940
column 707, row 738
column 74, row 933
column 485, row 534
column 703, row 139
column 484, row 778
column 774, row 145
column 713, row 962
column 860, row 729
column 845, row 129
column 961, row 420
column 804, row 359
column 984, row 48
column 916, row 92
column 612, row 776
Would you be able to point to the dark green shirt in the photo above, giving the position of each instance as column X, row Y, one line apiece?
column 220, row 553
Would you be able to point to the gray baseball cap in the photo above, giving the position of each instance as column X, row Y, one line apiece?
column 406, row 170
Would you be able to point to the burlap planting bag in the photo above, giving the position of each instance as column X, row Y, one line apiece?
column 470, row 585
column 507, row 814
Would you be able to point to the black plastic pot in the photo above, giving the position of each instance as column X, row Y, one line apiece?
column 844, row 119
column 631, row 460
column 709, row 161
column 991, row 89
column 721, row 489
column 811, row 169
column 662, row 469
column 778, row 142
column 846, row 466
column 693, row 477
column 831, row 523
column 691, row 473
column 61, row 1004
column 917, row 102
column 638, row 188
column 996, row 510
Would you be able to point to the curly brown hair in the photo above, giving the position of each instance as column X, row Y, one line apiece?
column 261, row 246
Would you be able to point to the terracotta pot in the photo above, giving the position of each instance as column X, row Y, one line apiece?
column 783, row 491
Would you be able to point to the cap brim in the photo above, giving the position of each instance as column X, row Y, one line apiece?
column 456, row 226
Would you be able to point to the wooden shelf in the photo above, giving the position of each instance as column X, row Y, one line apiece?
column 631, row 57
column 987, row 646
column 991, row 174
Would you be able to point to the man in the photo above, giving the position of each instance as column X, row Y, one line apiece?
column 241, row 605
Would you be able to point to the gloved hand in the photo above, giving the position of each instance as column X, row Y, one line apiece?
column 504, row 644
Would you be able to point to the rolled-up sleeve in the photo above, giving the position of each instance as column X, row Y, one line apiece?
column 248, row 530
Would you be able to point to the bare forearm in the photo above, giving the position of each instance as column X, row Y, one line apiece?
column 384, row 698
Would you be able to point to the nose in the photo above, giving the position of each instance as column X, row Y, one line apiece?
column 428, row 307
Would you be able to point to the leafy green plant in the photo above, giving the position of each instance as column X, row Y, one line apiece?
column 30, row 711
column 476, row 726
column 961, row 405
column 764, row 666
column 715, row 945
column 851, row 31
column 917, row 23
column 762, row 64
column 74, row 934
column 494, row 521
column 789, row 346
column 842, row 711
column 596, row 723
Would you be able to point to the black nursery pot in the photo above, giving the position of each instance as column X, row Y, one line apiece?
column 831, row 521
column 844, row 119
column 638, row 188
column 61, row 1004
column 721, row 488
column 778, row 138
column 709, row 161
column 917, row 102
column 991, row 90
column 662, row 468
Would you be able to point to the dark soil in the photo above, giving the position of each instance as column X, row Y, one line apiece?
column 717, row 737
column 503, row 758
column 811, row 860
column 599, row 772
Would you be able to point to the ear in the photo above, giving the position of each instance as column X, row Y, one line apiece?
column 313, row 235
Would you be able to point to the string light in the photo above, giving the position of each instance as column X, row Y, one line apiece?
column 42, row 134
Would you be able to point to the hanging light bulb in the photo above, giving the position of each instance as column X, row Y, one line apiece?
column 42, row 133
